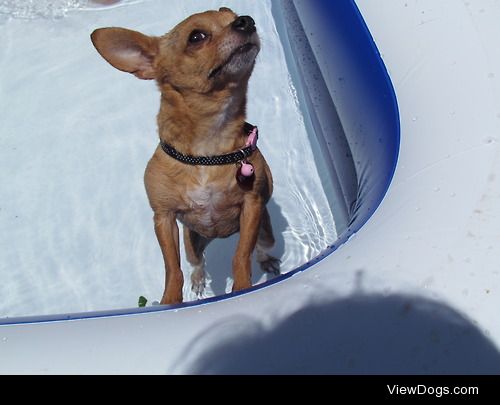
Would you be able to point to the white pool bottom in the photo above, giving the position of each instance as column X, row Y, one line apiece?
column 76, row 228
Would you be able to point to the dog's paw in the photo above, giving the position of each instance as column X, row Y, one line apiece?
column 171, row 299
column 198, row 288
column 198, row 283
column 271, row 265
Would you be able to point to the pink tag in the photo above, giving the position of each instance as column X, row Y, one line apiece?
column 246, row 169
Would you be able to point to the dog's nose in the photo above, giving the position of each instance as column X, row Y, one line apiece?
column 245, row 24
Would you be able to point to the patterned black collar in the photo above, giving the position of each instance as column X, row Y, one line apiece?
column 227, row 159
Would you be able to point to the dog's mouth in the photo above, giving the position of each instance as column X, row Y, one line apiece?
column 241, row 50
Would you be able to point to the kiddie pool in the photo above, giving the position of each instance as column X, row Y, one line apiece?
column 411, row 279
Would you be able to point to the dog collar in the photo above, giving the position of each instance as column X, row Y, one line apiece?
column 238, row 156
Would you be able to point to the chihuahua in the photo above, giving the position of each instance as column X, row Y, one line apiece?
column 207, row 172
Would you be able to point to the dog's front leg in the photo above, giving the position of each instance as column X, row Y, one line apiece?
column 167, row 233
column 250, row 218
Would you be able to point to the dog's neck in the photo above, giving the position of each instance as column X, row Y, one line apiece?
column 203, row 124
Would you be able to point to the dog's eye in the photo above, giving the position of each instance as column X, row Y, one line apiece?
column 197, row 36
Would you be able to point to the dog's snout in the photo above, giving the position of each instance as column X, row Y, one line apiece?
column 244, row 24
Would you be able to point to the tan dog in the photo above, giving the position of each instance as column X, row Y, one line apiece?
column 202, row 69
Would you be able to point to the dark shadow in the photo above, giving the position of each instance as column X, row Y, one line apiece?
column 220, row 252
column 361, row 334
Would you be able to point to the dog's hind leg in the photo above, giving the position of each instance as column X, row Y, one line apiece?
column 195, row 245
column 265, row 243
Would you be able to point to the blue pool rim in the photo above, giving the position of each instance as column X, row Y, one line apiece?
column 361, row 90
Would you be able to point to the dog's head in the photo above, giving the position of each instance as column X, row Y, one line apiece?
column 207, row 51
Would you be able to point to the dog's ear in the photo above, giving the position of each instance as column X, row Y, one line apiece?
column 127, row 50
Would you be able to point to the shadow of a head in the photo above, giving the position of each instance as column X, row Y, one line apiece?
column 361, row 334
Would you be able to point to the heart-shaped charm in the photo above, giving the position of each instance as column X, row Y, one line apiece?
column 246, row 169
column 245, row 172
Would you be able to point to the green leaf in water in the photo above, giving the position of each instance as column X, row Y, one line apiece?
column 142, row 301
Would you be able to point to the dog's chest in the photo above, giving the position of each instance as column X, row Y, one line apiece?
column 206, row 199
column 211, row 209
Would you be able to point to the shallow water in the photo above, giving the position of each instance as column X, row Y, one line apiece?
column 75, row 135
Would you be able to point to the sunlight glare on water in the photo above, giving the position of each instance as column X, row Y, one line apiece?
column 77, row 231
